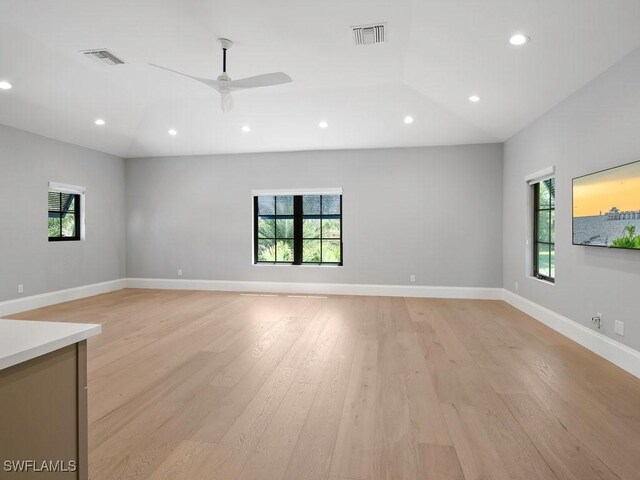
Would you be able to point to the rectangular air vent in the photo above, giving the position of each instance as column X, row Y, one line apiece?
column 104, row 56
column 368, row 34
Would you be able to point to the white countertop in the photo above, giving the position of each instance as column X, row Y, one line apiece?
column 22, row 340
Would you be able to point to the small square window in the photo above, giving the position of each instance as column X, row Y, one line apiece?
column 64, row 216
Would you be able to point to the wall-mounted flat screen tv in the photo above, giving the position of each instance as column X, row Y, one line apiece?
column 606, row 208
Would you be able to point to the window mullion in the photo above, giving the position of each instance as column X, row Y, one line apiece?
column 549, row 233
column 297, row 230
column 61, row 218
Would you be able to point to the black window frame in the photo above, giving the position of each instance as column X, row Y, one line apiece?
column 537, row 208
column 298, row 238
column 275, row 216
column 63, row 211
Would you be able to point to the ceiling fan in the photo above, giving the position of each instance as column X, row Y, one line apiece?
column 224, row 85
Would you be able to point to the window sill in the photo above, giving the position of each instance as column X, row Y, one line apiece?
column 310, row 265
column 546, row 282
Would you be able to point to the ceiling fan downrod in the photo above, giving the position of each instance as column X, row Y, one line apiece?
column 226, row 44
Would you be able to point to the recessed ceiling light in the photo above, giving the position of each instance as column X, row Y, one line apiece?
column 323, row 124
column 4, row 85
column 518, row 39
column 172, row 132
column 474, row 98
column 245, row 128
column 408, row 119
column 99, row 121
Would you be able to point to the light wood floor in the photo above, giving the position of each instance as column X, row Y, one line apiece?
column 203, row 385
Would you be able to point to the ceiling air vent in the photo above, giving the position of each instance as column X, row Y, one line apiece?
column 103, row 56
column 368, row 34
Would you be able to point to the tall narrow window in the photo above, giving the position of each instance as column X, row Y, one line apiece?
column 298, row 229
column 544, row 209
column 64, row 216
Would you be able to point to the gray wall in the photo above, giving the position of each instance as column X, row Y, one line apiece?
column 27, row 163
column 433, row 212
column 596, row 128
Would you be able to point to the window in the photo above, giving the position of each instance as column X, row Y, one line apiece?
column 298, row 229
column 65, row 212
column 544, row 207
column 64, row 216
column 275, row 242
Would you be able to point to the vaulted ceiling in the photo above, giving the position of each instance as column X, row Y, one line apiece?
column 437, row 54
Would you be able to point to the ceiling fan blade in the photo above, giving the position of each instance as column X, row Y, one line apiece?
column 226, row 101
column 225, row 87
column 206, row 81
column 266, row 80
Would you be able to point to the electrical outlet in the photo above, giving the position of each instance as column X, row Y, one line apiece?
column 179, row 272
column 516, row 286
column 412, row 279
column 619, row 326
column 597, row 320
column 20, row 288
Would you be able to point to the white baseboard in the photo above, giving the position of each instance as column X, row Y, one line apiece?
column 32, row 302
column 319, row 288
column 617, row 353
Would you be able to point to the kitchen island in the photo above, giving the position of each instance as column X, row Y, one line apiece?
column 43, row 399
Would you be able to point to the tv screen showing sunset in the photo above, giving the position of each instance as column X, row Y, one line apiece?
column 606, row 208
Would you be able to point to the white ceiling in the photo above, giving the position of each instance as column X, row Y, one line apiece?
column 438, row 53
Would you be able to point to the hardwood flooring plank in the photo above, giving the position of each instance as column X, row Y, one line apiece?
column 566, row 455
column 180, row 460
column 313, row 453
column 438, row 462
column 427, row 421
column 477, row 455
column 271, row 456
column 314, row 364
column 395, row 445
column 354, row 452
column 238, row 368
